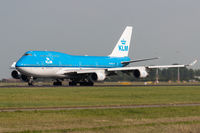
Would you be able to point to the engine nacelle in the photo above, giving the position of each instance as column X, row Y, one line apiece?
column 15, row 74
column 98, row 76
column 140, row 73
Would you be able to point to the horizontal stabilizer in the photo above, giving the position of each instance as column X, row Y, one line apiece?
column 132, row 61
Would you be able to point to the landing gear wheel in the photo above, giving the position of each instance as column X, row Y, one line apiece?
column 72, row 83
column 86, row 83
column 83, row 84
column 30, row 83
column 57, row 83
column 90, row 83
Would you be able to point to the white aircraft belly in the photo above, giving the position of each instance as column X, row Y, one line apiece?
column 51, row 71
column 40, row 71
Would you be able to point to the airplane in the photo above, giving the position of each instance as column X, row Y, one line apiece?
column 83, row 70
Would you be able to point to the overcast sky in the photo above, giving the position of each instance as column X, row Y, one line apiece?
column 169, row 29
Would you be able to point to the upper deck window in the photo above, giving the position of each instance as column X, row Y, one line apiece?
column 27, row 54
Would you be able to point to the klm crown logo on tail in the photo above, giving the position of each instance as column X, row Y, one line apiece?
column 123, row 42
column 123, row 46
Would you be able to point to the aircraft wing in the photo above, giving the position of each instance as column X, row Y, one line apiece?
column 66, row 71
column 151, row 67
column 171, row 66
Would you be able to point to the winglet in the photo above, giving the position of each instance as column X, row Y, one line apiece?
column 193, row 63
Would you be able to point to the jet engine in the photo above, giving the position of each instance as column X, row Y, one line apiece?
column 98, row 76
column 140, row 73
column 15, row 74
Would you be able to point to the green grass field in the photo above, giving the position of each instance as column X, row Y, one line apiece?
column 89, row 96
column 140, row 120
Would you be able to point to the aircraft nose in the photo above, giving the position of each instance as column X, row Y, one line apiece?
column 20, row 66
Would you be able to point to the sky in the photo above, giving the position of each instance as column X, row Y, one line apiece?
column 169, row 29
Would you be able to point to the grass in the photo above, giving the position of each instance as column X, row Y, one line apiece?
column 100, row 120
column 90, row 96
column 140, row 120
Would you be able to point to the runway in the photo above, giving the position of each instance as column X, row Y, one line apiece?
column 97, row 107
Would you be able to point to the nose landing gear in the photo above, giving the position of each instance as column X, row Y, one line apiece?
column 30, row 81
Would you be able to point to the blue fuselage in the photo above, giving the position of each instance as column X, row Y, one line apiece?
column 57, row 59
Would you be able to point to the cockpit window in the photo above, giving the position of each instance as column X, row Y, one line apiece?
column 27, row 54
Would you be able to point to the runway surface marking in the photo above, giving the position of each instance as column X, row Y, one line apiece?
column 96, row 107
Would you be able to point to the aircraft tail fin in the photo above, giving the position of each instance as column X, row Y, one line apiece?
column 122, row 47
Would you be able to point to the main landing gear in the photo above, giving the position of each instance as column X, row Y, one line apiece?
column 86, row 84
column 57, row 83
column 73, row 83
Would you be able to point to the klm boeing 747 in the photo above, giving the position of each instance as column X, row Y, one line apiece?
column 83, row 70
